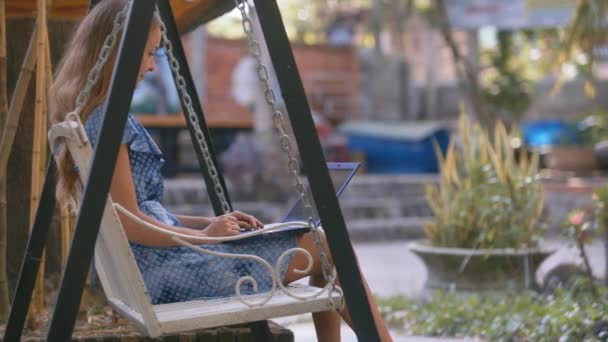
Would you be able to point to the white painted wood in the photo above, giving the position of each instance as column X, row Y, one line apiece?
column 114, row 262
column 200, row 314
column 124, row 287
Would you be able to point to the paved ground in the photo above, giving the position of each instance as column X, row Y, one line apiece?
column 392, row 270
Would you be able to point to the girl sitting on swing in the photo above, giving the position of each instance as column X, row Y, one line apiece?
column 171, row 273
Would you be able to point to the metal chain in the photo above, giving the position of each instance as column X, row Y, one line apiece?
column 93, row 77
column 191, row 116
column 102, row 58
column 285, row 143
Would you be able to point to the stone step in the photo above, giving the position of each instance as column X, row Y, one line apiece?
column 375, row 207
column 388, row 207
column 192, row 190
column 365, row 191
column 352, row 209
column 360, row 229
column 386, row 229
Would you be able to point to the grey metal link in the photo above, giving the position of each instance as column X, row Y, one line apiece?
column 292, row 162
column 191, row 116
column 102, row 59
column 93, row 77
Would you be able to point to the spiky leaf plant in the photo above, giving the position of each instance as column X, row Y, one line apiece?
column 485, row 197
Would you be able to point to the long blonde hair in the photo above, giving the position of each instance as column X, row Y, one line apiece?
column 71, row 76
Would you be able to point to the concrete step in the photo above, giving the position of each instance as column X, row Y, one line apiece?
column 360, row 229
column 388, row 207
column 192, row 189
column 375, row 207
column 353, row 210
column 366, row 196
column 386, row 229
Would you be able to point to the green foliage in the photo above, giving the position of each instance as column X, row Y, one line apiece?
column 485, row 198
column 507, row 92
column 586, row 30
column 600, row 195
column 527, row 316
column 593, row 126
column 305, row 20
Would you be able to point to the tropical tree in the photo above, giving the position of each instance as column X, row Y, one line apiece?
column 580, row 40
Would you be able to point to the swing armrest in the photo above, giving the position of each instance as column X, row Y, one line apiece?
column 66, row 129
column 179, row 236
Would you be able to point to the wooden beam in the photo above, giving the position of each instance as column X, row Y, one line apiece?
column 188, row 14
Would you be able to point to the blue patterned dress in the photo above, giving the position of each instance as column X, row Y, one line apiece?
column 176, row 274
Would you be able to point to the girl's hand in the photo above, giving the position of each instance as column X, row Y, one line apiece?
column 224, row 225
column 245, row 221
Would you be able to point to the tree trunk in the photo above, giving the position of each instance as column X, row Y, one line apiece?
column 430, row 106
column 465, row 70
column 376, row 25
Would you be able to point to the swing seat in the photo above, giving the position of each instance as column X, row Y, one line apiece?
column 124, row 287
column 201, row 314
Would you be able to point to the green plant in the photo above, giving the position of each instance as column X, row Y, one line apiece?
column 593, row 126
column 501, row 316
column 578, row 229
column 579, row 41
column 506, row 90
column 485, row 197
column 583, row 225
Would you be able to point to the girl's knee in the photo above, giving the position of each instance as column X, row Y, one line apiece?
column 314, row 251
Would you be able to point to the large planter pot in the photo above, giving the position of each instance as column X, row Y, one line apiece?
column 571, row 158
column 601, row 154
column 479, row 269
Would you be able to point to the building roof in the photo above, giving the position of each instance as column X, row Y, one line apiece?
column 189, row 14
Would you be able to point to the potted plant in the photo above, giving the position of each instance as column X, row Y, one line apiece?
column 594, row 132
column 588, row 151
column 487, row 211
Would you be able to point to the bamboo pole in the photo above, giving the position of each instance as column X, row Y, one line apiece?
column 4, row 296
column 14, row 111
column 68, row 219
column 7, row 138
column 65, row 232
column 3, row 81
column 39, row 147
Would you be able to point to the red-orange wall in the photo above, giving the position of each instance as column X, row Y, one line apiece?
column 327, row 72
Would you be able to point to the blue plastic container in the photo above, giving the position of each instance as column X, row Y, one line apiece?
column 395, row 148
column 549, row 132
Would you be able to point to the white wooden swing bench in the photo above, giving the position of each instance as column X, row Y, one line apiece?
column 118, row 272
column 124, row 287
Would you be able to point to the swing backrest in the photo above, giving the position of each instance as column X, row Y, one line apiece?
column 115, row 265
column 124, row 286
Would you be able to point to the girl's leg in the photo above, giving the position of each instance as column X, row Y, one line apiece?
column 327, row 324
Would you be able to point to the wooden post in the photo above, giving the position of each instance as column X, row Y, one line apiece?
column 3, row 81
column 14, row 112
column 4, row 296
column 68, row 217
column 39, row 144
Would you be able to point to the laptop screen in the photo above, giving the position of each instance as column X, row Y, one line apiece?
column 340, row 173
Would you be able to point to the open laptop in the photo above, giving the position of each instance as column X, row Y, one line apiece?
column 340, row 174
